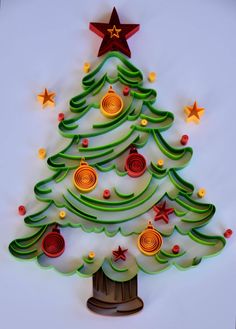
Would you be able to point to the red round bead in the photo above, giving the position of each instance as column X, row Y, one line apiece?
column 85, row 142
column 176, row 249
column 126, row 91
column 22, row 210
column 184, row 140
column 61, row 116
column 228, row 233
column 106, row 194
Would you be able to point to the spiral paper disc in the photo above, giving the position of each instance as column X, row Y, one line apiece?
column 135, row 165
column 111, row 105
column 53, row 244
column 150, row 242
column 85, row 178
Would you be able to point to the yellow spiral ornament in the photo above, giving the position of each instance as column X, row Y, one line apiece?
column 85, row 177
column 111, row 104
column 150, row 241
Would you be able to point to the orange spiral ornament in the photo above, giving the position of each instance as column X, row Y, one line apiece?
column 111, row 104
column 150, row 241
column 85, row 177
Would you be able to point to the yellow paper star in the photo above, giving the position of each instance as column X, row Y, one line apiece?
column 46, row 98
column 114, row 32
column 194, row 113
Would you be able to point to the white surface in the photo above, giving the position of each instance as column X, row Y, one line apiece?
column 191, row 46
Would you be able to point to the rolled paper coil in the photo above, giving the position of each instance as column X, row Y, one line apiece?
column 111, row 104
column 53, row 245
column 85, row 178
column 150, row 241
column 135, row 164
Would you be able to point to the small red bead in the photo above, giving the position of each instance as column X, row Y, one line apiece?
column 228, row 233
column 176, row 249
column 106, row 194
column 85, row 142
column 184, row 140
column 22, row 210
column 61, row 116
column 126, row 91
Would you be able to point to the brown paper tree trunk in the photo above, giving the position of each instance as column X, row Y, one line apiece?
column 112, row 297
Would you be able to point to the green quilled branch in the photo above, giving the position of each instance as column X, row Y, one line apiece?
column 26, row 248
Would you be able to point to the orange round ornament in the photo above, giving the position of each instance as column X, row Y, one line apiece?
column 150, row 241
column 85, row 177
column 111, row 104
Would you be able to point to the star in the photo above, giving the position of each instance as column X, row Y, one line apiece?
column 119, row 254
column 194, row 113
column 46, row 98
column 114, row 34
column 162, row 212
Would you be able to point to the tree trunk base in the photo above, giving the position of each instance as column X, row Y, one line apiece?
column 114, row 298
column 115, row 309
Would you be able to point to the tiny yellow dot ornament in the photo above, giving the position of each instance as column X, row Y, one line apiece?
column 86, row 67
column 62, row 214
column 201, row 193
column 143, row 122
column 91, row 255
column 152, row 77
column 42, row 153
column 160, row 163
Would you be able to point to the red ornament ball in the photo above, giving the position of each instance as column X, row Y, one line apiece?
column 61, row 116
column 228, row 233
column 53, row 244
column 176, row 249
column 21, row 210
column 85, row 142
column 184, row 140
column 106, row 194
column 126, row 91
column 135, row 163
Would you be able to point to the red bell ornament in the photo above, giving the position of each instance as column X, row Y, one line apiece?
column 53, row 244
column 135, row 163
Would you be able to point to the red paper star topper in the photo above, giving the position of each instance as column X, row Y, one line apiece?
column 114, row 34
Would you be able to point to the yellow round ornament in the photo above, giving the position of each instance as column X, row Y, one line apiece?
column 111, row 104
column 150, row 241
column 85, row 177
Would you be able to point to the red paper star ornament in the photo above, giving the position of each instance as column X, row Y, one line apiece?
column 162, row 212
column 119, row 253
column 114, row 34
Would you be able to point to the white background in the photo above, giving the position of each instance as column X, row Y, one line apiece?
column 191, row 46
